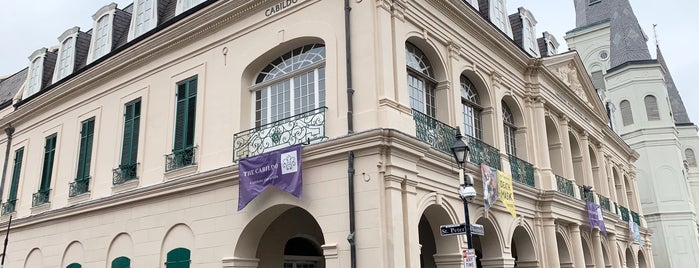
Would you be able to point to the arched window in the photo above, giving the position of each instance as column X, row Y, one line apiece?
column 421, row 81
column 178, row 258
column 101, row 37
column 626, row 114
column 66, row 62
column 471, row 109
column 121, row 262
column 510, row 130
column 301, row 253
column 290, row 85
column 651, row 108
column 689, row 156
column 34, row 80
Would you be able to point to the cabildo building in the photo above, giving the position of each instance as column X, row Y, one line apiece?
column 124, row 143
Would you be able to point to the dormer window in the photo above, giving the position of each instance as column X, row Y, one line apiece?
column 34, row 78
column 65, row 61
column 528, row 32
column 184, row 5
column 499, row 14
column 143, row 19
column 101, row 40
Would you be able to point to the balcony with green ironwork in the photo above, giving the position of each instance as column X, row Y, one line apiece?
column 124, row 173
column 441, row 137
column 635, row 217
column 308, row 127
column 590, row 196
column 181, row 158
column 522, row 171
column 604, row 202
column 41, row 197
column 565, row 186
column 624, row 213
column 79, row 186
column 9, row 206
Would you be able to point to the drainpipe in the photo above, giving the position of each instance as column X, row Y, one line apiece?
column 9, row 131
column 350, row 237
column 348, row 62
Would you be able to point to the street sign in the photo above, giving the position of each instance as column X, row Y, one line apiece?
column 452, row 229
column 477, row 229
column 469, row 258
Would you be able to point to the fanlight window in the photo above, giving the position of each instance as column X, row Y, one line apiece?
column 471, row 109
column 292, row 84
column 421, row 82
column 510, row 130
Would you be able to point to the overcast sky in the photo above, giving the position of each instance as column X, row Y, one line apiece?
column 32, row 24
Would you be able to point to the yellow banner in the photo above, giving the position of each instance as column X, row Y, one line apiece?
column 506, row 193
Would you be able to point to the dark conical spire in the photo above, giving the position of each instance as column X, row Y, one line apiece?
column 628, row 42
column 679, row 112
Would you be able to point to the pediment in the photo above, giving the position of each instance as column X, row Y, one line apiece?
column 569, row 70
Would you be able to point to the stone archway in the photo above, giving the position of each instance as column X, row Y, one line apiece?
column 630, row 263
column 281, row 236
column 564, row 257
column 523, row 250
column 642, row 260
column 489, row 248
column 437, row 251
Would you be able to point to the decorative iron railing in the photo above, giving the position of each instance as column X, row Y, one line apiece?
column 79, row 186
column 430, row 130
column 181, row 158
column 635, row 217
column 624, row 213
column 590, row 196
column 124, row 173
column 9, row 206
column 522, row 171
column 308, row 127
column 481, row 152
column 41, row 197
column 604, row 202
column 565, row 186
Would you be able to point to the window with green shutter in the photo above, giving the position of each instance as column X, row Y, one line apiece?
column 14, row 185
column 47, row 168
column 121, row 262
column 85, row 155
column 183, row 150
column 129, row 146
column 178, row 258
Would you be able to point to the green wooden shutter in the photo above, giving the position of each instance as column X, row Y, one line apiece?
column 121, row 262
column 74, row 265
column 132, row 119
column 47, row 170
column 15, row 174
column 185, row 114
column 85, row 154
column 178, row 258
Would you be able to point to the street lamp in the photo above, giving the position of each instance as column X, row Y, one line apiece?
column 466, row 190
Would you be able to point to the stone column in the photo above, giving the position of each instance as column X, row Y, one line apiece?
column 587, row 164
column 597, row 249
column 331, row 256
column 613, row 252
column 577, row 246
column 602, row 172
column 394, row 227
column 569, row 172
column 504, row 262
column 624, row 199
column 541, row 157
column 550, row 244
column 447, row 261
column 411, row 226
column 610, row 178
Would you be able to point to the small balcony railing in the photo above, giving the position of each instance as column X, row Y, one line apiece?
column 79, row 186
column 590, row 196
column 624, row 213
column 481, row 152
column 41, row 197
column 565, row 186
column 181, row 158
column 124, row 173
column 430, row 130
column 635, row 217
column 522, row 171
column 9, row 206
column 604, row 202
column 308, row 127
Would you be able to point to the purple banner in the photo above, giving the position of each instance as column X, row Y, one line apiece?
column 490, row 186
column 280, row 168
column 594, row 212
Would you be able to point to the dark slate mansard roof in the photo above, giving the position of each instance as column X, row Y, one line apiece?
column 10, row 86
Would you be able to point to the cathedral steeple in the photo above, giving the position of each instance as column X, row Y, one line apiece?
column 627, row 40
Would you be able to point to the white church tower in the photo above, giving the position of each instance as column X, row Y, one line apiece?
column 645, row 108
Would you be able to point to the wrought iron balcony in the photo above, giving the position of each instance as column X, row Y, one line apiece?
column 604, row 202
column 589, row 197
column 522, row 171
column 430, row 130
column 124, row 173
column 181, row 158
column 624, row 213
column 79, row 186
column 565, row 186
column 41, row 197
column 635, row 217
column 306, row 127
column 9, row 206
column 481, row 152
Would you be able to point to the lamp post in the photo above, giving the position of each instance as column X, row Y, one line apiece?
column 466, row 190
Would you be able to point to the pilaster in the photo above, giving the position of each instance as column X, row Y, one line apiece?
column 577, row 246
column 597, row 249
column 550, row 244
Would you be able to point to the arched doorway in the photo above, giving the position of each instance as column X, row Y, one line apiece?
column 630, row 263
column 489, row 251
column 281, row 236
column 437, row 251
column 523, row 249
column 566, row 261
column 641, row 260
